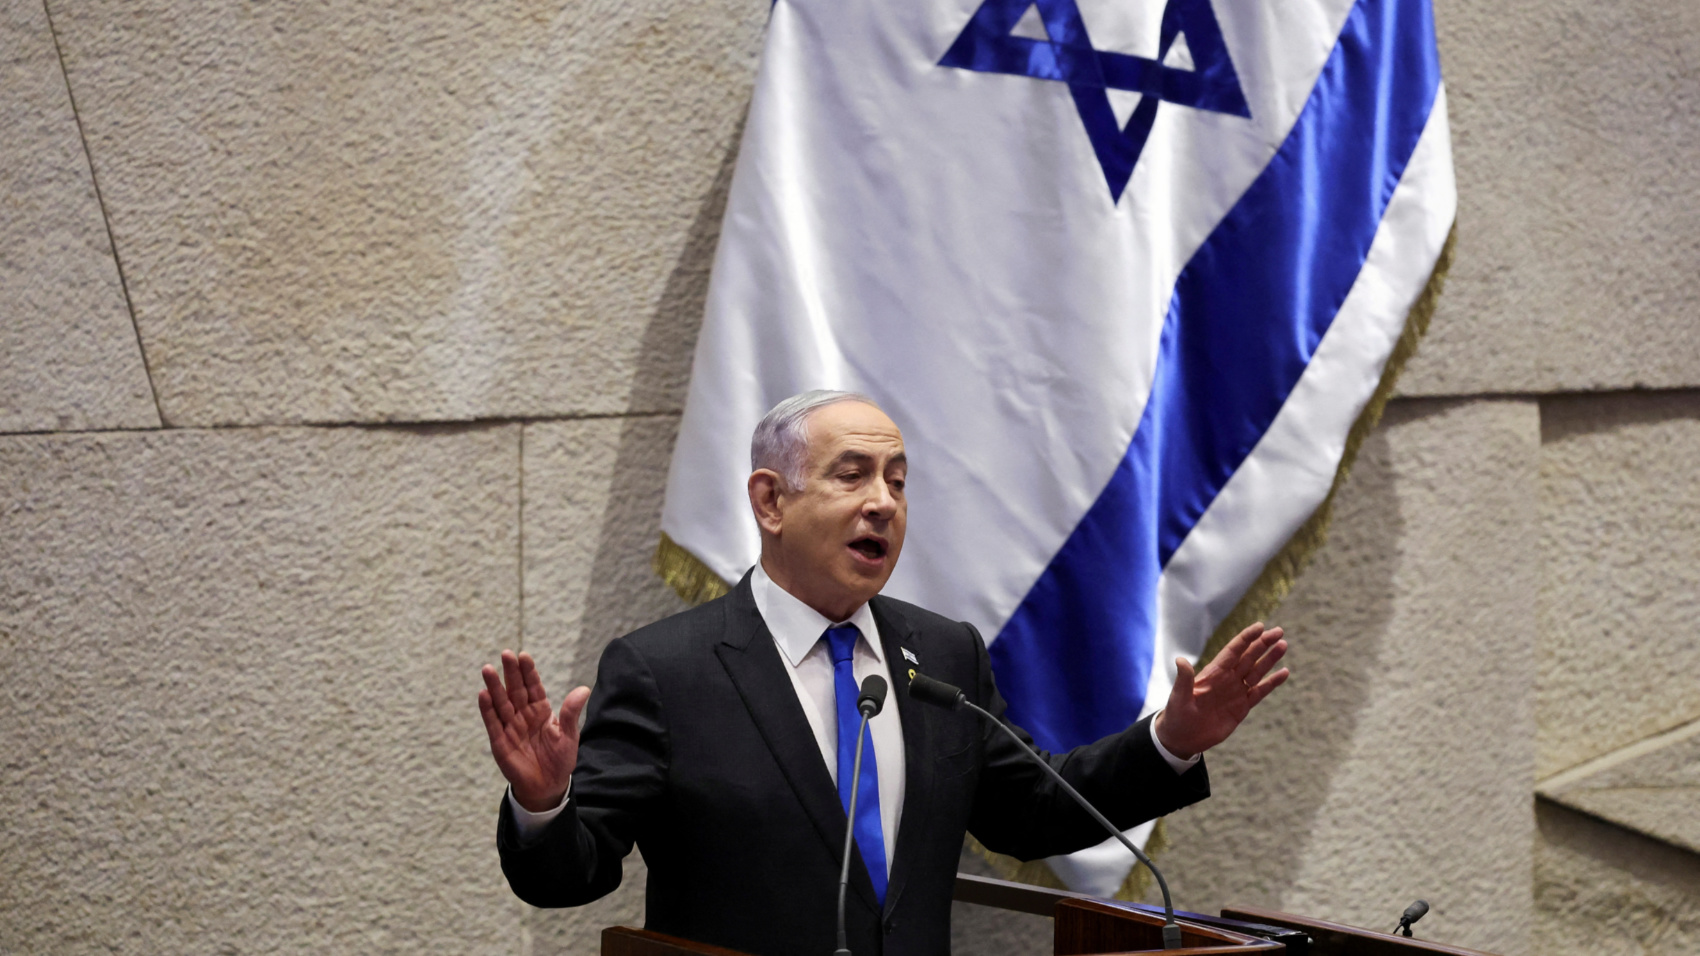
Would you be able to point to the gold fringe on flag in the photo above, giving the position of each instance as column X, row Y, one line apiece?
column 692, row 579
column 696, row 583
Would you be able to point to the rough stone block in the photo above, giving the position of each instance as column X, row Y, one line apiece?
column 239, row 696
column 1620, row 541
column 69, row 359
column 1578, row 261
column 395, row 211
column 593, row 491
column 1651, row 787
column 1603, row 891
column 1397, row 762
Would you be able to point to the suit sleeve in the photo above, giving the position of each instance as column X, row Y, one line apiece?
column 1018, row 810
column 616, row 786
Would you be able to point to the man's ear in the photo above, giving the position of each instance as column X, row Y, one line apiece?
column 764, row 488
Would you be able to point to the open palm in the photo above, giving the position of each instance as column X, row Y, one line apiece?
column 1205, row 708
column 535, row 748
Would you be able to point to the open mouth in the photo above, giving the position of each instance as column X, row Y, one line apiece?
column 869, row 547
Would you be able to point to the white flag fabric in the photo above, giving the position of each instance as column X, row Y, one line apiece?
column 1125, row 272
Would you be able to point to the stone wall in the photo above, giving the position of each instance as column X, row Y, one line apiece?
column 343, row 345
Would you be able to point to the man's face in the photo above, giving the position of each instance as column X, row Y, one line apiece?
column 838, row 537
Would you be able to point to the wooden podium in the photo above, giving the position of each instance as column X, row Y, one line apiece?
column 1085, row 926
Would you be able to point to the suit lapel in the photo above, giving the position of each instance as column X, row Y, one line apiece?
column 896, row 634
column 753, row 663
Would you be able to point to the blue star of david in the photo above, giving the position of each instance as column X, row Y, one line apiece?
column 986, row 45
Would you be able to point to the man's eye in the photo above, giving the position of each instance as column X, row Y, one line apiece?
column 897, row 484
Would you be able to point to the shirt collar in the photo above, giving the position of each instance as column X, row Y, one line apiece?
column 796, row 626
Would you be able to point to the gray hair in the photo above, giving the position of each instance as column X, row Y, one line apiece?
column 781, row 439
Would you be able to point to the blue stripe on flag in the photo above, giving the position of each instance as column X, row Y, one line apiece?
column 1074, row 659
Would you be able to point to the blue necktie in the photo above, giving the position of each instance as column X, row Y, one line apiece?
column 870, row 836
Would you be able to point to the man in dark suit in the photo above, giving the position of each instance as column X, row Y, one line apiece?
column 719, row 740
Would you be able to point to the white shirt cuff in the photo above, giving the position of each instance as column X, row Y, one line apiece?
column 1175, row 763
column 531, row 824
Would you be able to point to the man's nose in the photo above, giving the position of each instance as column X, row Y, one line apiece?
column 881, row 503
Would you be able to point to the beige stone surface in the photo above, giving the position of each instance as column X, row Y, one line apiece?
column 68, row 352
column 593, row 492
column 239, row 662
column 405, row 211
column 1604, row 891
column 1397, row 762
column 1620, row 542
column 1578, row 253
column 1651, row 787
column 238, row 701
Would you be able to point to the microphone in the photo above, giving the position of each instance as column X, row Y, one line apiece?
column 872, row 699
column 869, row 702
column 1414, row 912
column 939, row 694
column 936, row 692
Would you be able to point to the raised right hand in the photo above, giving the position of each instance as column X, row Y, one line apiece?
column 535, row 748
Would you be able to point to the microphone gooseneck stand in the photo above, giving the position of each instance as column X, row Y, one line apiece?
column 869, row 702
column 939, row 694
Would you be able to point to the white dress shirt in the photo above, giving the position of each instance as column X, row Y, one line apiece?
column 797, row 631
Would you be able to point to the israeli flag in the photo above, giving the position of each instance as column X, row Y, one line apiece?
column 1125, row 272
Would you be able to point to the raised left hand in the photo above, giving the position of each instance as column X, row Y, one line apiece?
column 1204, row 709
column 535, row 747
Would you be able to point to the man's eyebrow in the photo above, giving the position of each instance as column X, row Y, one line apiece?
column 850, row 456
column 857, row 457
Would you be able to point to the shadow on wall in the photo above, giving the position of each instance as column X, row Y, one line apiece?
column 624, row 594
column 1620, row 522
column 1603, row 889
column 1244, row 845
column 1576, row 416
column 663, row 367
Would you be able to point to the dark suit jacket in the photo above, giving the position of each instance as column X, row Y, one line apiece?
column 696, row 747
